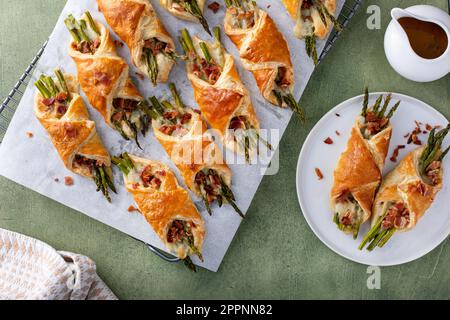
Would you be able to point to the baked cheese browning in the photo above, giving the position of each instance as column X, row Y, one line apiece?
column 65, row 117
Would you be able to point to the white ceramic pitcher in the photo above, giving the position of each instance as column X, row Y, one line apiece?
column 401, row 55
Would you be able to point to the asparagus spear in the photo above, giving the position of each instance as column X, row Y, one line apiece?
column 123, row 162
column 205, row 51
column 152, row 65
column 62, row 83
column 92, row 23
column 189, row 264
column 289, row 99
column 366, row 102
column 178, row 102
column 191, row 6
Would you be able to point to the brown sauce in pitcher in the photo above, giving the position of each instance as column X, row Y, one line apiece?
column 427, row 39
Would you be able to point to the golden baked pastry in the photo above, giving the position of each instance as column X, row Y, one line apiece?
column 183, row 134
column 104, row 77
column 357, row 175
column 313, row 19
column 223, row 99
column 263, row 51
column 407, row 191
column 165, row 205
column 136, row 22
column 62, row 113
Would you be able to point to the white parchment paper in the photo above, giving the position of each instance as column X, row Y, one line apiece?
column 34, row 163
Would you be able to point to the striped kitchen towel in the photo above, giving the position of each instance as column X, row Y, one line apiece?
column 32, row 270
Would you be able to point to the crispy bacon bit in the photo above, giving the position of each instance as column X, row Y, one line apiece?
column 186, row 118
column 61, row 97
column 167, row 130
column 338, row 133
column 413, row 136
column 170, row 115
column 147, row 176
column 161, row 173
column 68, row 181
column 214, row 7
column 135, row 185
column 419, row 187
column 397, row 216
column 61, row 110
column 396, row 152
column 337, row 114
column 433, row 172
column 85, row 47
column 197, row 111
column 347, row 219
column 101, row 78
column 428, row 127
column 200, row 177
column 132, row 209
column 96, row 43
column 319, row 173
column 176, row 232
column 328, row 141
column 374, row 124
column 48, row 102
column 237, row 123
column 30, row 134
column 56, row 180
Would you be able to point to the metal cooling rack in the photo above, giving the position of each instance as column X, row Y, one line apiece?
column 9, row 105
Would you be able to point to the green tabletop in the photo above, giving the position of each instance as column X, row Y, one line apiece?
column 275, row 254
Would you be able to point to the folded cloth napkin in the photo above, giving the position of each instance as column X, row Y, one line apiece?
column 32, row 270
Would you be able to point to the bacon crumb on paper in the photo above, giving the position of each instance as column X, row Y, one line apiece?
column 68, row 181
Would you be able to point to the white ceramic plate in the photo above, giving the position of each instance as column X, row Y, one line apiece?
column 313, row 194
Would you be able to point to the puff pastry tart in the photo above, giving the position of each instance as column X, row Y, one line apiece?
column 165, row 205
column 183, row 134
column 357, row 175
column 313, row 19
column 136, row 23
column 104, row 77
column 222, row 97
column 190, row 10
column 407, row 192
column 264, row 51
column 62, row 113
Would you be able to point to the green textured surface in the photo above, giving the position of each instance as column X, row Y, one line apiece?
column 275, row 254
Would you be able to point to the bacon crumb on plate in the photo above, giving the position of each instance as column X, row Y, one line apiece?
column 328, row 141
column 132, row 209
column 30, row 135
column 396, row 152
column 214, row 7
column 56, row 180
column 319, row 173
column 338, row 133
column 68, row 181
